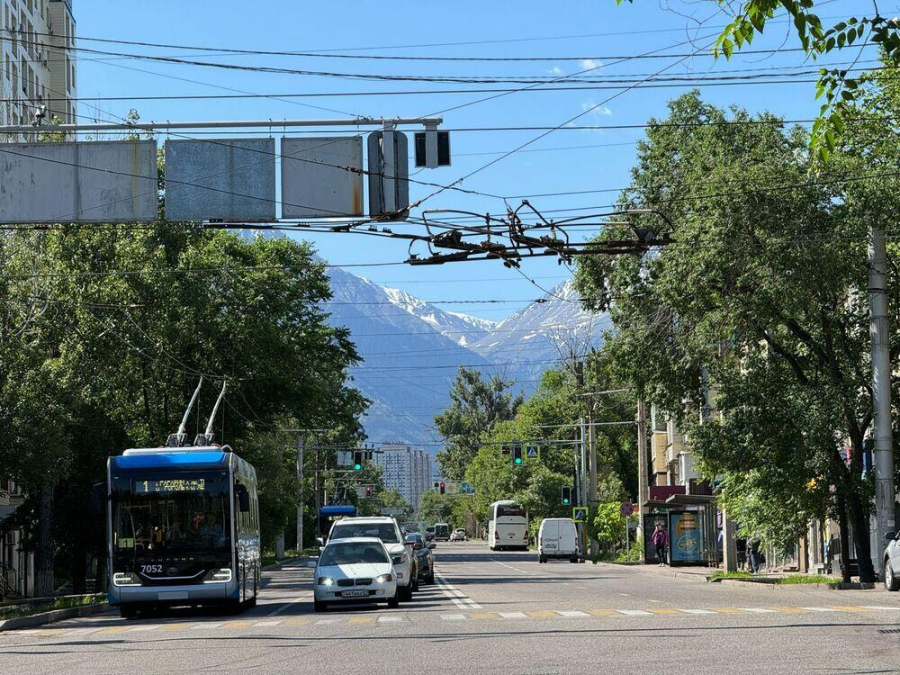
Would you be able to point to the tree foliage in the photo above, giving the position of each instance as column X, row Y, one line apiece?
column 104, row 333
column 838, row 87
column 476, row 406
column 760, row 305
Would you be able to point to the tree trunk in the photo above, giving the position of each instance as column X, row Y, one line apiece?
column 43, row 563
column 859, row 516
column 845, row 536
column 79, row 568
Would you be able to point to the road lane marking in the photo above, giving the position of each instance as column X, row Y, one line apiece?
column 514, row 615
column 361, row 619
column 460, row 599
column 323, row 622
column 208, row 626
column 263, row 624
column 114, row 630
column 634, row 612
column 153, row 626
column 572, row 614
column 759, row 610
column 454, row 617
column 236, row 624
column 390, row 619
column 176, row 626
column 665, row 612
column 849, row 608
column 284, row 606
column 817, row 609
column 484, row 615
column 790, row 610
column 698, row 611
column 542, row 614
column 729, row 610
column 602, row 612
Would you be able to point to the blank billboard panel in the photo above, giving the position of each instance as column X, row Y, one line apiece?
column 90, row 182
column 221, row 179
column 321, row 177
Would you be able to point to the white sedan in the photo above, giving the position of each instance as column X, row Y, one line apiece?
column 354, row 570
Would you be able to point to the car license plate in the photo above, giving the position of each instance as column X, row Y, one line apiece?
column 399, row 576
column 172, row 595
column 355, row 594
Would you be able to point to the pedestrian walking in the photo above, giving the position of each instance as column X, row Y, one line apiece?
column 661, row 540
column 753, row 556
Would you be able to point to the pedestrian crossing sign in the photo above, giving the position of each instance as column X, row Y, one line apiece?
column 532, row 452
column 579, row 514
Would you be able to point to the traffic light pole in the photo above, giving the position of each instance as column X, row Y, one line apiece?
column 300, row 488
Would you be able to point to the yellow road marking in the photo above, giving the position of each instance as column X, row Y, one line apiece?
column 115, row 629
column 542, row 614
column 177, row 626
column 603, row 612
column 359, row 619
column 728, row 610
column 52, row 632
column 236, row 624
column 303, row 622
column 664, row 611
column 489, row 615
column 794, row 610
column 849, row 608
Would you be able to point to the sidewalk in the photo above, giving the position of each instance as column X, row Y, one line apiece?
column 697, row 573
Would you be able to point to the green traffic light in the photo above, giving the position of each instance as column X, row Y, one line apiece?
column 565, row 501
column 518, row 460
column 357, row 467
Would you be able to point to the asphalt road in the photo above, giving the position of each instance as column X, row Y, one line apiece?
column 493, row 613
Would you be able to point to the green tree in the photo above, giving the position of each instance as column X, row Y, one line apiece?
column 105, row 332
column 476, row 405
column 759, row 306
column 435, row 507
column 839, row 88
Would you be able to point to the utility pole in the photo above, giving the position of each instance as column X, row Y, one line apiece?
column 881, row 392
column 642, row 494
column 581, row 481
column 300, row 488
column 592, row 468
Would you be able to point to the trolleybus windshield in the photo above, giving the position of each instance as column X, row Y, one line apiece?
column 160, row 513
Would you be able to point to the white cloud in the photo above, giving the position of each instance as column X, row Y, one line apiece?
column 589, row 64
column 557, row 71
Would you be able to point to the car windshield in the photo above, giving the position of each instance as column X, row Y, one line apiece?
column 417, row 538
column 384, row 531
column 353, row 552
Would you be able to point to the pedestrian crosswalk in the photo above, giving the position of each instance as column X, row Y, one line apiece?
column 312, row 622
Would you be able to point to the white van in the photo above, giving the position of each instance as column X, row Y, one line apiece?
column 557, row 538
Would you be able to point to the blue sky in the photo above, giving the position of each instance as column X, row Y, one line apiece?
column 566, row 160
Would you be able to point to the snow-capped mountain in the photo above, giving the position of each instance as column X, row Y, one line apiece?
column 461, row 328
column 412, row 349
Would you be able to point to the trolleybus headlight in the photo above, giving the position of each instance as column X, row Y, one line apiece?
column 384, row 578
column 325, row 581
column 220, row 576
column 126, row 579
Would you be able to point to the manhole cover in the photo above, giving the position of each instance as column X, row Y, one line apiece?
column 889, row 630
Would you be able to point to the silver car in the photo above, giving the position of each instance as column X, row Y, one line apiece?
column 892, row 562
column 354, row 570
column 388, row 531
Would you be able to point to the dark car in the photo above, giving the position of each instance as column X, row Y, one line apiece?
column 422, row 550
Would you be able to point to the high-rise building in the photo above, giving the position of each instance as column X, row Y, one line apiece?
column 406, row 469
column 37, row 64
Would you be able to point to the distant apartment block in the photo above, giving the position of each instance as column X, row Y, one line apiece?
column 37, row 64
column 406, row 469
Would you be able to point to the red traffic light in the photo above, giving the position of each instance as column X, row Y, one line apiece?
column 443, row 487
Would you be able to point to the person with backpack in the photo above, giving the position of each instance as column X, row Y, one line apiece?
column 661, row 540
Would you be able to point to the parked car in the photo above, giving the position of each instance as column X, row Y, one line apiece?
column 892, row 562
column 557, row 538
column 429, row 534
column 354, row 570
column 388, row 531
column 459, row 534
column 422, row 550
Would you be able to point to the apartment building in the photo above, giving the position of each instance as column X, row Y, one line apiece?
column 406, row 469
column 37, row 64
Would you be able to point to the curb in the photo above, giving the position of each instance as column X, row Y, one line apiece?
column 281, row 563
column 837, row 586
column 53, row 616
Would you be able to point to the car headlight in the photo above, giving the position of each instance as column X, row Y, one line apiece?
column 325, row 581
column 126, row 579
column 219, row 576
column 399, row 558
column 384, row 578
